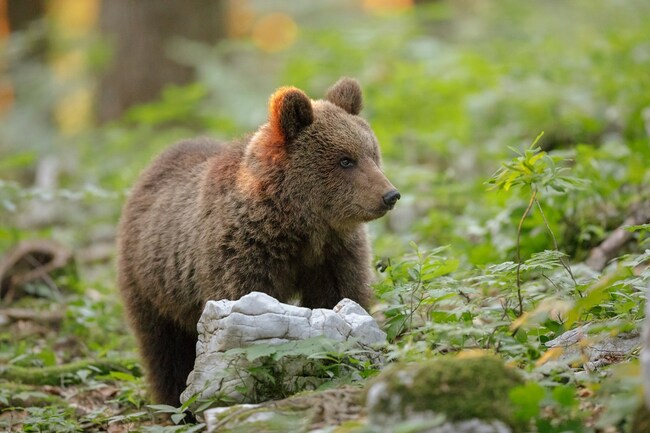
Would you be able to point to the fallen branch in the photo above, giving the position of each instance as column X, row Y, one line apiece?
column 97, row 253
column 22, row 395
column 52, row 318
column 66, row 374
column 30, row 261
column 609, row 248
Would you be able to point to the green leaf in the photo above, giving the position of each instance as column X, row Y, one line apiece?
column 163, row 408
column 17, row 160
column 526, row 400
column 195, row 428
column 595, row 296
column 178, row 417
column 189, row 402
column 539, row 136
column 122, row 376
column 565, row 395
column 636, row 228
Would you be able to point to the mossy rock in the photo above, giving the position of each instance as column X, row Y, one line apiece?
column 461, row 389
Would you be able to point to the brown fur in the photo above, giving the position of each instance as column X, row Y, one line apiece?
column 275, row 213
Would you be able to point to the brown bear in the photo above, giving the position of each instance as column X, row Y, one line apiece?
column 280, row 212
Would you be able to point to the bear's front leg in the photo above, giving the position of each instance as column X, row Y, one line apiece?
column 345, row 273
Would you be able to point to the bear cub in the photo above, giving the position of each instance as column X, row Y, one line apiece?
column 280, row 212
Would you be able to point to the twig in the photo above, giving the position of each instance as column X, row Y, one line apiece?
column 521, row 223
column 11, row 274
column 550, row 281
column 49, row 282
column 47, row 317
column 564, row 264
column 608, row 249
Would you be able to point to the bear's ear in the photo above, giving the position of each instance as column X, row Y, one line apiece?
column 346, row 93
column 290, row 111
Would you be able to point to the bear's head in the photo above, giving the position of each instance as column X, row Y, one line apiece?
column 324, row 156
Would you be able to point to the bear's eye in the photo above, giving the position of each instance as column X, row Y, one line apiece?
column 346, row 163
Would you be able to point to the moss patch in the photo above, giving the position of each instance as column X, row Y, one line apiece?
column 461, row 389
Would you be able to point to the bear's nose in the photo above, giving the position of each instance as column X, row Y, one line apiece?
column 391, row 197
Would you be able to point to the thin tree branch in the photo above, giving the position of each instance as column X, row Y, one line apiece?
column 564, row 264
column 533, row 197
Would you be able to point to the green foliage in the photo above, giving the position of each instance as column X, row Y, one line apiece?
column 177, row 414
column 440, row 307
column 173, row 429
column 526, row 399
column 535, row 170
column 131, row 392
column 621, row 395
column 50, row 419
column 322, row 363
column 454, row 91
column 411, row 284
column 550, row 410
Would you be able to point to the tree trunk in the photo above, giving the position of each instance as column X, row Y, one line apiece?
column 140, row 32
column 21, row 13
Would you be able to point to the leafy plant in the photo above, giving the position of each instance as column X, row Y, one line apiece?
column 278, row 371
column 535, row 171
column 50, row 419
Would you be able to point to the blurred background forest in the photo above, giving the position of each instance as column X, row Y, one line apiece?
column 91, row 90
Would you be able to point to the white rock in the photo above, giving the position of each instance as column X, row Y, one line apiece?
column 325, row 322
column 346, row 307
column 253, row 304
column 364, row 329
column 258, row 318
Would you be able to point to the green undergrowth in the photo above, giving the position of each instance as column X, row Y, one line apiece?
column 485, row 253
